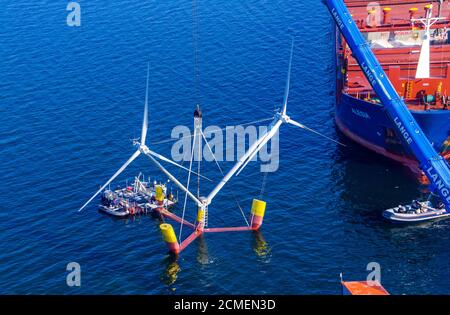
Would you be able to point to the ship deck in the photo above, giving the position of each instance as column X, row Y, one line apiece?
column 396, row 42
column 399, row 15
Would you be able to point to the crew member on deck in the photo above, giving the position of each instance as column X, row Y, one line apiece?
column 421, row 96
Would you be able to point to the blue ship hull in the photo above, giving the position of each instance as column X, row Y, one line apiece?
column 367, row 124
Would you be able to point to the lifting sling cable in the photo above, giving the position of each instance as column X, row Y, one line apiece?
column 263, row 186
column 195, row 43
column 434, row 166
column 221, row 172
column 187, row 185
column 261, row 193
column 199, row 159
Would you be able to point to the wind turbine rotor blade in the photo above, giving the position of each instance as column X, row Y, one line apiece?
column 263, row 142
column 159, row 156
column 174, row 180
column 131, row 159
column 293, row 122
column 251, row 156
column 288, row 80
column 145, row 120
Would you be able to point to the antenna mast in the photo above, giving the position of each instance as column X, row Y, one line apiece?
column 423, row 68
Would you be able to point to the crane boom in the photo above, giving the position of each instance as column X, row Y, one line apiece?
column 434, row 166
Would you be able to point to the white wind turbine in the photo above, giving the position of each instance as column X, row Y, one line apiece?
column 279, row 119
column 142, row 148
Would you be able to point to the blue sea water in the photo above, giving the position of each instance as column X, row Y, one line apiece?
column 72, row 97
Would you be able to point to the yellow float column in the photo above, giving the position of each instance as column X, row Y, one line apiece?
column 258, row 210
column 159, row 195
column 170, row 238
column 200, row 218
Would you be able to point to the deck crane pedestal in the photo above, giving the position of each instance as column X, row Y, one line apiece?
column 413, row 138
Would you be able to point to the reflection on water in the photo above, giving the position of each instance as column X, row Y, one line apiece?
column 170, row 274
column 261, row 247
column 365, row 184
column 202, row 256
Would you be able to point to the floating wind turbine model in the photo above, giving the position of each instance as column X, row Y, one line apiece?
column 200, row 226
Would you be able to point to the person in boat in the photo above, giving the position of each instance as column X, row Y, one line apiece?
column 401, row 209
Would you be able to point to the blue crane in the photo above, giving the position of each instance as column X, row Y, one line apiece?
column 434, row 166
